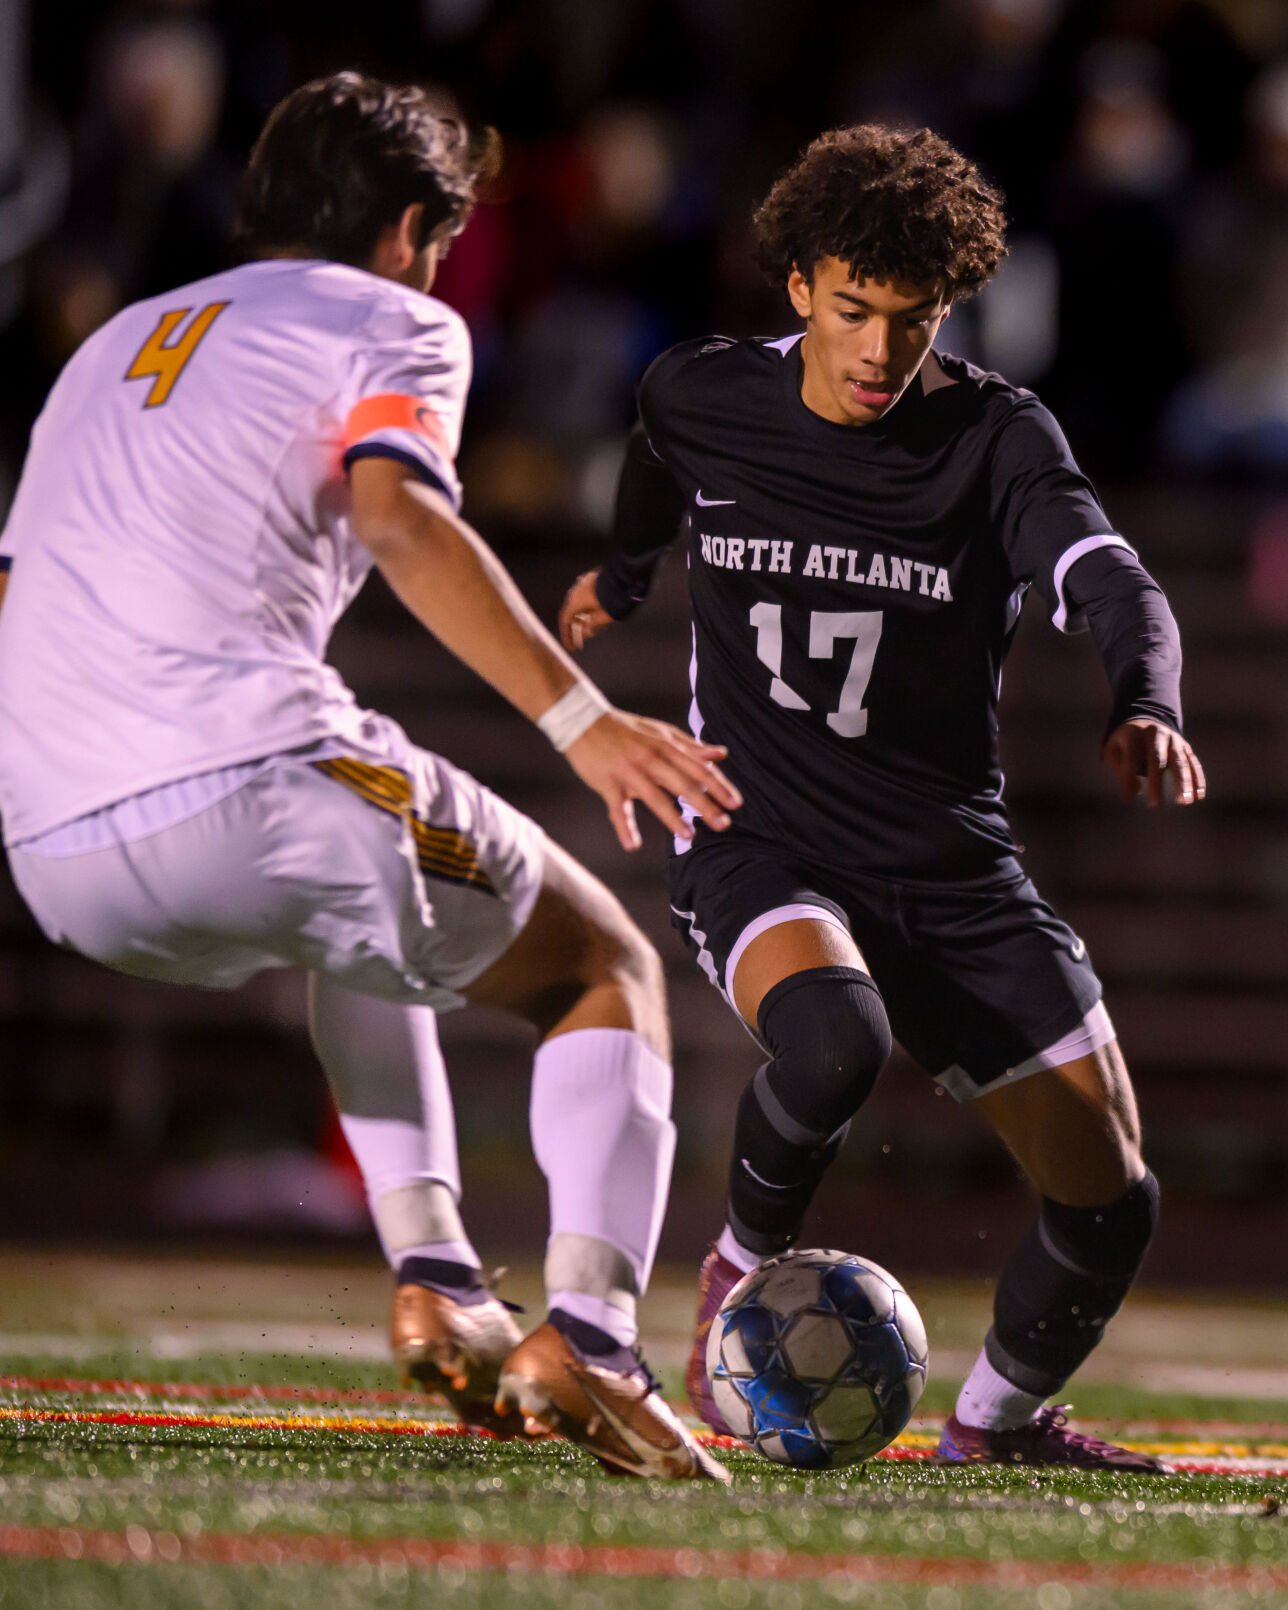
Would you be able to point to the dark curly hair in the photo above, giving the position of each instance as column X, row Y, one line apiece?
column 341, row 158
column 892, row 204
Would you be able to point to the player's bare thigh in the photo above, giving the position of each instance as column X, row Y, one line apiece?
column 579, row 962
column 790, row 947
column 1073, row 1129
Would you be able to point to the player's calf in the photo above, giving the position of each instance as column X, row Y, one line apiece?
column 1075, row 1130
column 1060, row 1288
column 830, row 1038
column 585, row 975
column 1064, row 1283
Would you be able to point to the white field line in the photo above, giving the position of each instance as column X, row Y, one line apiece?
column 370, row 1345
column 1212, row 1380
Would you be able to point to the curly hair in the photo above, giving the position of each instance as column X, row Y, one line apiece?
column 893, row 205
column 341, row 158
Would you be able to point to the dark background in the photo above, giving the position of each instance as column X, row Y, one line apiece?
column 1143, row 149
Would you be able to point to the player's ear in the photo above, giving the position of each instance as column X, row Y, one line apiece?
column 398, row 244
column 410, row 227
column 800, row 292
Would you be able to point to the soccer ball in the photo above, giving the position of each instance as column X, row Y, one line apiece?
column 817, row 1359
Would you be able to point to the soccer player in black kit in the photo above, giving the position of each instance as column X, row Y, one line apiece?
column 864, row 517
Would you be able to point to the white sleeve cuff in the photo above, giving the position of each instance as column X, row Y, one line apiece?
column 1061, row 619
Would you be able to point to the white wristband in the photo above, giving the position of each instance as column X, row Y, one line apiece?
column 568, row 717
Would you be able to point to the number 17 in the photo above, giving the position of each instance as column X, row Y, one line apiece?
column 849, row 719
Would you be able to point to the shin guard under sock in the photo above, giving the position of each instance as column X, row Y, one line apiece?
column 828, row 1032
column 1064, row 1283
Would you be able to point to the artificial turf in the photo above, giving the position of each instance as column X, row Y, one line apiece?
column 225, row 1515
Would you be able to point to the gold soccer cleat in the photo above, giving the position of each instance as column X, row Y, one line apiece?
column 610, row 1406
column 454, row 1342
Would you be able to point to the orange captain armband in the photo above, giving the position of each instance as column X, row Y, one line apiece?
column 394, row 410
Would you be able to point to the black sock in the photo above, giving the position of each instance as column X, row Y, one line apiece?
column 772, row 1180
column 1064, row 1283
column 439, row 1272
column 584, row 1336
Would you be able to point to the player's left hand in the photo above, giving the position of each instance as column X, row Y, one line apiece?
column 582, row 616
column 1144, row 752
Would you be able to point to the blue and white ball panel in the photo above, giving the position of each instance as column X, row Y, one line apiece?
column 817, row 1359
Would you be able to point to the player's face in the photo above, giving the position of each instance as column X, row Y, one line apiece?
column 864, row 339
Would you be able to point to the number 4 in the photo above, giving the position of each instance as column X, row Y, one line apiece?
column 163, row 364
column 849, row 719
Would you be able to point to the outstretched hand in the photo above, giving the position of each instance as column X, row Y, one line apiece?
column 581, row 615
column 1143, row 752
column 625, row 758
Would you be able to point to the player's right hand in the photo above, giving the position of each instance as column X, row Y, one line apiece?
column 1142, row 752
column 625, row 758
column 581, row 615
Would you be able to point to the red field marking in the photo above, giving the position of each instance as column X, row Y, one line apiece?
column 136, row 1546
column 242, row 1422
column 1197, row 1462
column 383, row 1426
column 201, row 1391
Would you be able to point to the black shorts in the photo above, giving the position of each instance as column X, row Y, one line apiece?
column 979, row 982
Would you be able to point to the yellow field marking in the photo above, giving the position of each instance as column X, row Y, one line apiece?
column 386, row 1425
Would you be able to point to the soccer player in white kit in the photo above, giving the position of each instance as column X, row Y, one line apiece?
column 191, row 794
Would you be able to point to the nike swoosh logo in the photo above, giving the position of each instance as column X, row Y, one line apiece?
column 768, row 1184
column 640, row 1445
column 711, row 503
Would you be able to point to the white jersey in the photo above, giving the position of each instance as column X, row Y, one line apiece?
column 179, row 548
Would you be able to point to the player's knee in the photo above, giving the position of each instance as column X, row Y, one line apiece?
column 830, row 1037
column 640, row 968
column 638, row 974
column 1109, row 1241
column 619, row 976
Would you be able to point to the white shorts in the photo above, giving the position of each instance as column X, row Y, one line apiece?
column 404, row 882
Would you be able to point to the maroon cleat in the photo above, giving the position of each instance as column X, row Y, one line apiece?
column 716, row 1280
column 1044, row 1441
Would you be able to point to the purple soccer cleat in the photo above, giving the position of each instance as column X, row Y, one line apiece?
column 1044, row 1441
column 716, row 1280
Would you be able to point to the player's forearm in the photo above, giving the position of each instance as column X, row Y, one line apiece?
column 647, row 519
column 1135, row 634
column 457, row 588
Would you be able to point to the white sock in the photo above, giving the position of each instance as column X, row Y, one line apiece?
column 731, row 1248
column 989, row 1401
column 390, row 1083
column 603, row 1137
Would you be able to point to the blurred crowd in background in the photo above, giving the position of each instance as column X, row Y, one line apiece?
column 1142, row 146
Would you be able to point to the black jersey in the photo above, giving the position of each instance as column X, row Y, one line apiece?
column 855, row 591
